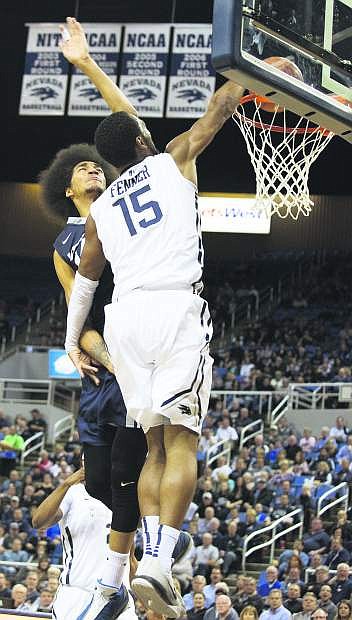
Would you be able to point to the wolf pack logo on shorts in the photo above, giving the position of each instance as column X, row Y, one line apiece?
column 44, row 92
column 191, row 95
column 142, row 94
column 189, row 409
column 90, row 93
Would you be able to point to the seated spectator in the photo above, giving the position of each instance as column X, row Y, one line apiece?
column 249, row 597
column 44, row 602
column 11, row 446
column 269, row 581
column 322, row 473
column 221, row 468
column 276, row 609
column 5, row 421
column 44, row 462
column 249, row 613
column 319, row 614
column 309, row 604
column 341, row 584
column 204, row 523
column 231, row 549
column 205, row 556
column 210, row 589
column 222, row 610
column 337, row 554
column 293, row 576
column 31, row 583
column 22, row 427
column 339, row 432
column 296, row 551
column 262, row 494
column 325, row 602
column 320, row 578
column 293, row 602
column 317, row 540
column 198, row 584
column 15, row 479
column 5, row 591
column 16, row 553
column 225, row 431
column 37, row 424
column 198, row 610
column 344, row 610
column 343, row 473
column 308, row 441
column 214, row 530
column 344, row 528
column 19, row 595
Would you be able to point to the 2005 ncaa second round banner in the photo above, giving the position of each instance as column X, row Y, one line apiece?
column 44, row 81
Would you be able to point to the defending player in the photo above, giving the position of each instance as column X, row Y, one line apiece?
column 158, row 332
column 85, row 525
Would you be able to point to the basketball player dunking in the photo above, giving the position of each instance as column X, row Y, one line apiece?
column 114, row 449
column 157, row 328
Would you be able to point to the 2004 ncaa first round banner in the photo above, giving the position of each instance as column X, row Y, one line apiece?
column 192, row 77
column 104, row 46
column 44, row 81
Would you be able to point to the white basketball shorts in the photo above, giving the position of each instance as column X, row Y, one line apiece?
column 159, row 345
column 70, row 602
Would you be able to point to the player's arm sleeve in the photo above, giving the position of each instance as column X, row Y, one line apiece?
column 186, row 147
column 90, row 341
column 86, row 281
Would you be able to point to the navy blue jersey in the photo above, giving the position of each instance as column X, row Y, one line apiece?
column 100, row 406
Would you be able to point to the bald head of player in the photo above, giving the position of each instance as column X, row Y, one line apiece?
column 76, row 174
column 123, row 139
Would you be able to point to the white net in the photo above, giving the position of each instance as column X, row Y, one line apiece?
column 281, row 157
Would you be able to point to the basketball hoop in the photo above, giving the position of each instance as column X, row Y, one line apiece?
column 281, row 169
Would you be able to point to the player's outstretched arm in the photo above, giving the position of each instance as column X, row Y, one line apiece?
column 86, row 281
column 186, row 147
column 49, row 511
column 91, row 341
column 75, row 49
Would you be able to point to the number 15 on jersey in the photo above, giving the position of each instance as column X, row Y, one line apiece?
column 134, row 202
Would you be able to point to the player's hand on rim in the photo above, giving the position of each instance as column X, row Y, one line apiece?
column 84, row 364
column 75, row 48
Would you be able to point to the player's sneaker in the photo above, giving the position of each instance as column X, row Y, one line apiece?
column 129, row 613
column 156, row 589
column 107, row 607
column 182, row 547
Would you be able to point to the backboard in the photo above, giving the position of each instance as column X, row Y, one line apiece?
column 315, row 34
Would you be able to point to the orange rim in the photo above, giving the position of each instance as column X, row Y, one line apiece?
column 275, row 128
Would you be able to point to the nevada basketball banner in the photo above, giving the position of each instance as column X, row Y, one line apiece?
column 144, row 67
column 104, row 47
column 192, row 77
column 44, row 81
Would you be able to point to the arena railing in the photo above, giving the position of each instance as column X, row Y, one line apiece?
column 338, row 494
column 263, row 402
column 274, row 535
column 318, row 395
column 32, row 444
column 250, row 431
column 221, row 448
column 62, row 426
column 37, row 392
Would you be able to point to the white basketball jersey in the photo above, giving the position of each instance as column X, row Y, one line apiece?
column 85, row 527
column 149, row 227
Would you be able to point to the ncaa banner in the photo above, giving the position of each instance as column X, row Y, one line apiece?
column 44, row 81
column 192, row 77
column 144, row 67
column 104, row 46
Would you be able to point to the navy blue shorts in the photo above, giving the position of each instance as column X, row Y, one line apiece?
column 100, row 408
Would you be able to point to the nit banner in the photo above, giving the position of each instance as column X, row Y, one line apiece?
column 192, row 77
column 104, row 46
column 44, row 81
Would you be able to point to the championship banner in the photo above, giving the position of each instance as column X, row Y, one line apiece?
column 104, row 46
column 144, row 67
column 192, row 77
column 44, row 81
